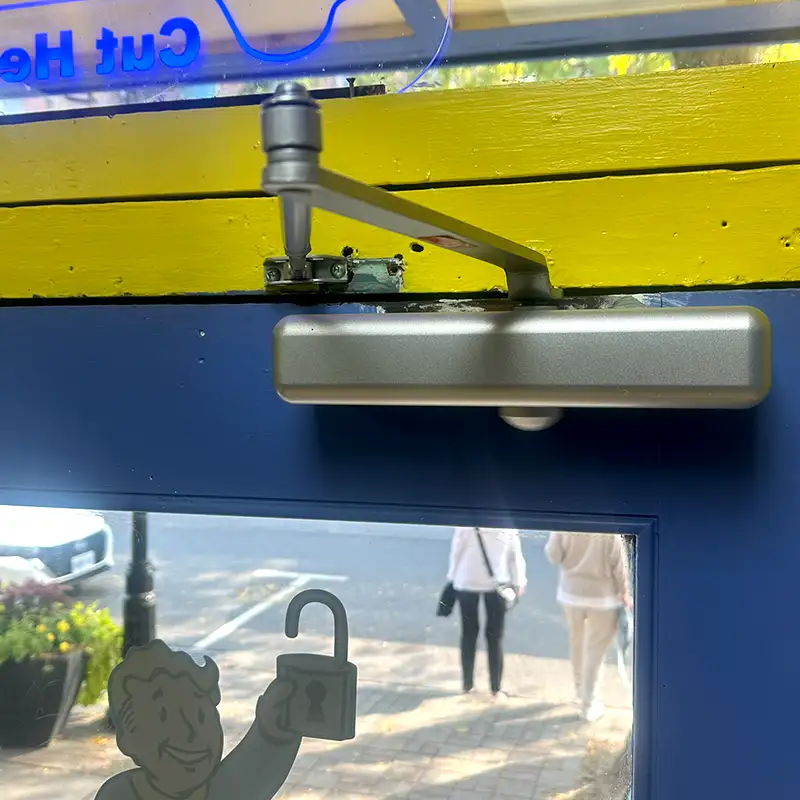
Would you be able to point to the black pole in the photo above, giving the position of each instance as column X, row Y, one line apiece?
column 139, row 615
column 139, row 609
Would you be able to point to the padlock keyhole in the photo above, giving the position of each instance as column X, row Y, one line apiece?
column 316, row 694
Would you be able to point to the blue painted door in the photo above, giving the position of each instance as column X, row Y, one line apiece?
column 171, row 408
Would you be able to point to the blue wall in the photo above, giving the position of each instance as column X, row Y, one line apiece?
column 133, row 408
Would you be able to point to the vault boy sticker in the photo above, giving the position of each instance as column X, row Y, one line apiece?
column 165, row 709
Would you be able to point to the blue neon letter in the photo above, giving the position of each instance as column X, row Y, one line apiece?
column 107, row 46
column 64, row 54
column 15, row 65
column 169, row 58
column 130, row 61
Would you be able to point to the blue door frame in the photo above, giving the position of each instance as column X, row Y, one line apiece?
column 132, row 407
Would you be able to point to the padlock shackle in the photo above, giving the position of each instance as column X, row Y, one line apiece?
column 341, row 633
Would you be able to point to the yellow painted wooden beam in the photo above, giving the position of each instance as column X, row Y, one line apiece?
column 720, row 227
column 684, row 119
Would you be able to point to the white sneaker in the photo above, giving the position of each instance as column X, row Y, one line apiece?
column 593, row 711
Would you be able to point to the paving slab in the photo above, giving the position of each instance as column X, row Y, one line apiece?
column 416, row 738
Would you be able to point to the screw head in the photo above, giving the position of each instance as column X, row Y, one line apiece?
column 338, row 271
column 273, row 275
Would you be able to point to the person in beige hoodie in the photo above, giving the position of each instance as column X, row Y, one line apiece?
column 593, row 588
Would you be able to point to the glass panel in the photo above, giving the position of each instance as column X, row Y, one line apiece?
column 270, row 24
column 489, row 14
column 222, row 589
column 79, row 51
column 67, row 46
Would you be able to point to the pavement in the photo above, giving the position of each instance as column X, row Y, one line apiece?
column 223, row 584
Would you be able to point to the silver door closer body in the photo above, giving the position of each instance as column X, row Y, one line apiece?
column 529, row 362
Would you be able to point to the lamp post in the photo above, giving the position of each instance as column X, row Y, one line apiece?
column 139, row 615
column 139, row 609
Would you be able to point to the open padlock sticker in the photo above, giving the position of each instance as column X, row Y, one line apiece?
column 323, row 705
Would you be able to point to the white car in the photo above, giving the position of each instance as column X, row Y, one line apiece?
column 53, row 545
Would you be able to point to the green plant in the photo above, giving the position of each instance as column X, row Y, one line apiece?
column 38, row 620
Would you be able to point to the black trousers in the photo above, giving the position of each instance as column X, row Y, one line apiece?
column 470, row 628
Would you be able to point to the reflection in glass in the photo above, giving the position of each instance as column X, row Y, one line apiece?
column 488, row 14
column 530, row 726
column 114, row 50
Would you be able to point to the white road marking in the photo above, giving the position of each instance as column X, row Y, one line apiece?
column 279, row 573
column 234, row 624
column 299, row 579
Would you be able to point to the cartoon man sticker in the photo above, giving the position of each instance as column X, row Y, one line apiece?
column 164, row 707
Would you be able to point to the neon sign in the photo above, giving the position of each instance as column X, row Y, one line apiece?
column 114, row 53
column 140, row 54
column 125, row 53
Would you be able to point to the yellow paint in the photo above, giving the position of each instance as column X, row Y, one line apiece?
column 719, row 227
column 693, row 228
column 691, row 118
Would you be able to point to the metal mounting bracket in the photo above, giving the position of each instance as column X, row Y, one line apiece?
column 322, row 271
column 292, row 141
column 337, row 275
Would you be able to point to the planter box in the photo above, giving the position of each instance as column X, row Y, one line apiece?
column 36, row 697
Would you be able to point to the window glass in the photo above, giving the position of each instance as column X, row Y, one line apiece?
column 483, row 14
column 524, row 690
column 61, row 54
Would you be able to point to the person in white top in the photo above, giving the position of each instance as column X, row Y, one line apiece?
column 472, row 581
column 593, row 587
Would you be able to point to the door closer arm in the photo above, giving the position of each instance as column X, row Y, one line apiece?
column 292, row 141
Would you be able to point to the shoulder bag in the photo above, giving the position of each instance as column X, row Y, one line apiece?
column 447, row 600
column 507, row 591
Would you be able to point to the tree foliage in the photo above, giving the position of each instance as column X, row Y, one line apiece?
column 472, row 77
column 446, row 77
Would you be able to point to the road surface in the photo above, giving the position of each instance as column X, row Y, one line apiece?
column 213, row 570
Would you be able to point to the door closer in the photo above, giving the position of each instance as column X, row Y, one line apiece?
column 529, row 362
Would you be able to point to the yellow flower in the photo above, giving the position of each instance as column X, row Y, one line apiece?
column 41, row 628
column 51, row 637
column 63, row 626
column 65, row 647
